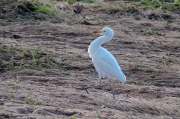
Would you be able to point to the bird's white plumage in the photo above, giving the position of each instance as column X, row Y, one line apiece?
column 107, row 66
column 104, row 62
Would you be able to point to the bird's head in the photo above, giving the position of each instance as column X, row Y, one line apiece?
column 106, row 31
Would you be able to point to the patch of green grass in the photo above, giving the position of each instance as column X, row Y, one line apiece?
column 38, row 60
column 31, row 102
column 43, row 6
column 16, row 81
column 100, row 22
column 44, row 9
column 11, row 94
column 123, row 7
column 78, row 55
column 97, row 4
column 135, row 66
column 12, row 48
column 99, row 116
column 42, row 34
column 131, row 81
column 149, row 69
column 147, row 31
column 113, row 9
column 3, row 48
column 24, row 58
column 162, row 4
column 35, row 55
column 150, row 31
column 176, row 3
column 26, row 52
column 153, row 75
column 4, row 20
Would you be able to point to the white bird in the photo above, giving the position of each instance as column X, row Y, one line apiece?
column 104, row 62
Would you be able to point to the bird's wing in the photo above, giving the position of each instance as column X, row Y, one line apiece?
column 107, row 57
column 106, row 62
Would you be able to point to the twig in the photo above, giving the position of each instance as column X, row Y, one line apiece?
column 85, row 87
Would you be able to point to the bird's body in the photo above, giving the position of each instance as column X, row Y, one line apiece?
column 104, row 62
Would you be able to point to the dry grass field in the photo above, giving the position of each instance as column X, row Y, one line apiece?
column 46, row 73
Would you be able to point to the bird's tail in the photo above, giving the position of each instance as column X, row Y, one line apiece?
column 122, row 77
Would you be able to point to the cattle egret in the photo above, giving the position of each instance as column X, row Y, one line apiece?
column 104, row 62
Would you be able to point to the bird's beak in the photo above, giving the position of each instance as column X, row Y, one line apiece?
column 98, row 31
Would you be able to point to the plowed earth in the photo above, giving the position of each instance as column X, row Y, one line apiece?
column 150, row 60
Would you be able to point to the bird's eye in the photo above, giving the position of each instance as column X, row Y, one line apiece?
column 104, row 31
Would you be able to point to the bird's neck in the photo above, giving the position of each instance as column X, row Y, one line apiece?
column 100, row 40
column 96, row 44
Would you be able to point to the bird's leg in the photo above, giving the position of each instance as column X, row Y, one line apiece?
column 98, row 84
column 112, row 91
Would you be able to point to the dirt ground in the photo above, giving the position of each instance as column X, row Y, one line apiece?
column 146, row 45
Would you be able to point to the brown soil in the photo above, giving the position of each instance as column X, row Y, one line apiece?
column 150, row 58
